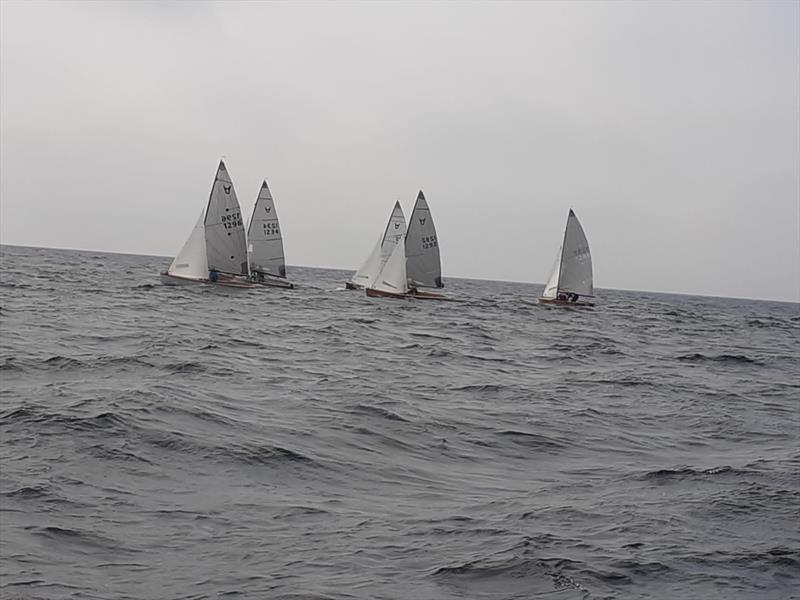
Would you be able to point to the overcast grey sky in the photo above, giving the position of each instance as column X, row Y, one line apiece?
column 673, row 129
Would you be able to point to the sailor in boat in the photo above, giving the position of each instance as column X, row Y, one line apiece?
column 213, row 275
column 562, row 297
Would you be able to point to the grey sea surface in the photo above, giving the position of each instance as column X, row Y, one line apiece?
column 200, row 442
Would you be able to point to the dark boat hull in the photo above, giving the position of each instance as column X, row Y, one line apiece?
column 373, row 293
column 427, row 295
column 555, row 302
column 288, row 285
column 170, row 279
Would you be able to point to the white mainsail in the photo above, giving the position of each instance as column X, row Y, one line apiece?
column 266, row 242
column 394, row 233
column 191, row 261
column 572, row 273
column 392, row 277
column 423, row 264
column 226, row 248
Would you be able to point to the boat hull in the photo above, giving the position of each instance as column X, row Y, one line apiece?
column 372, row 293
column 380, row 294
column 288, row 285
column 556, row 302
column 426, row 295
column 170, row 279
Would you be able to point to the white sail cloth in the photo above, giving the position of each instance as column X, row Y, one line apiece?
column 393, row 234
column 423, row 263
column 191, row 261
column 226, row 247
column 217, row 241
column 393, row 278
column 264, row 233
column 572, row 272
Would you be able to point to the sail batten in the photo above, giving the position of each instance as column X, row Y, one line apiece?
column 266, row 254
column 423, row 262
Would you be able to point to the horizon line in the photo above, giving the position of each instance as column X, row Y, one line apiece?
column 452, row 276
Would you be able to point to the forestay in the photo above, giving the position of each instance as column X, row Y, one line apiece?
column 191, row 261
column 423, row 264
column 226, row 247
column 264, row 233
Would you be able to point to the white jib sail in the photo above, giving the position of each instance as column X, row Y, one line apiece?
column 369, row 271
column 264, row 233
column 423, row 265
column 576, row 260
column 392, row 235
column 551, row 287
column 191, row 261
column 392, row 277
column 226, row 247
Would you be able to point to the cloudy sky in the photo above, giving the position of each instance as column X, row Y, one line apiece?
column 673, row 129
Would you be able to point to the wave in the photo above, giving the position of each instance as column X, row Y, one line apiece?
column 364, row 320
column 721, row 358
column 515, row 570
column 300, row 511
column 79, row 537
column 689, row 472
column 66, row 363
column 105, row 421
column 420, row 334
column 532, row 440
column 483, row 388
column 31, row 492
column 438, row 353
column 11, row 364
column 782, row 558
column 107, row 453
column 498, row 359
column 246, row 454
column 185, row 367
column 378, row 412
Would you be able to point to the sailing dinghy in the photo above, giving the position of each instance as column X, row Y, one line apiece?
column 215, row 251
column 392, row 236
column 571, row 278
column 413, row 264
column 265, row 249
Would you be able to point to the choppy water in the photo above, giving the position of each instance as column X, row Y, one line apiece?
column 313, row 443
